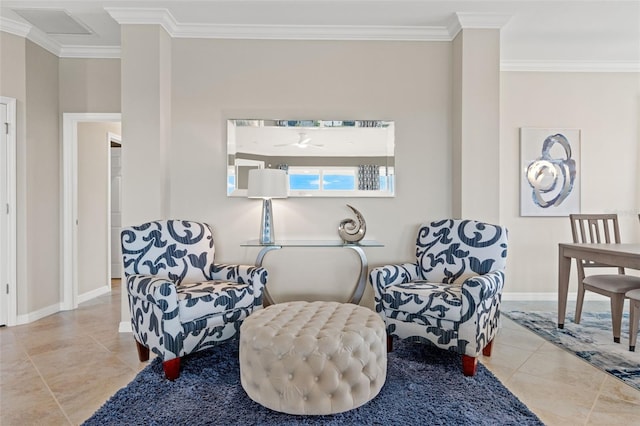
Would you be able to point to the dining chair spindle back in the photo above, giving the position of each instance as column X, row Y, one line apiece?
column 599, row 229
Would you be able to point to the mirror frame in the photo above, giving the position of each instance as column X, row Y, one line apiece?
column 375, row 173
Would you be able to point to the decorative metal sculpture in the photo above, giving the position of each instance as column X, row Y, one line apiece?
column 352, row 231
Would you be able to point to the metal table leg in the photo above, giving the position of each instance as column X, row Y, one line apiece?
column 362, row 277
column 268, row 300
column 356, row 296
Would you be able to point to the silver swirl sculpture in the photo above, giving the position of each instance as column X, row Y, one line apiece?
column 352, row 231
column 552, row 179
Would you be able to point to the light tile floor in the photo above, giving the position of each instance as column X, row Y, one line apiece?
column 60, row 369
column 559, row 387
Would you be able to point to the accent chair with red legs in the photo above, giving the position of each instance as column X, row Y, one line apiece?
column 180, row 300
column 450, row 296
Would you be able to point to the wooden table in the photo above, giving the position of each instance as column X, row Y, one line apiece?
column 625, row 255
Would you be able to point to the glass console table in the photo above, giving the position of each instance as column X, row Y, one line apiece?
column 357, row 247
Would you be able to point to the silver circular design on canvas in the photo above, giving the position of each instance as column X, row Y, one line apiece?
column 352, row 231
column 552, row 179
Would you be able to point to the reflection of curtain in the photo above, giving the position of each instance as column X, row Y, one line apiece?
column 284, row 167
column 368, row 123
column 368, row 177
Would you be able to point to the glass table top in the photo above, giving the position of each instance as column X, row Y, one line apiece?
column 313, row 243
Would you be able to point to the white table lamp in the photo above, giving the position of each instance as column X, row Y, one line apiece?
column 267, row 184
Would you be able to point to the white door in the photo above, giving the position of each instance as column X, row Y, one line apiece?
column 116, row 210
column 4, row 249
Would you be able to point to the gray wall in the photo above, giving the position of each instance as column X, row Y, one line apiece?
column 216, row 80
column 42, row 165
column 604, row 106
column 89, row 85
column 45, row 87
column 210, row 81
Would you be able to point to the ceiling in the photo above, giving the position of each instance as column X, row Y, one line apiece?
column 560, row 34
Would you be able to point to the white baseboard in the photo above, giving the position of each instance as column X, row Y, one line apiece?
column 125, row 327
column 53, row 309
column 551, row 297
column 39, row 314
column 93, row 294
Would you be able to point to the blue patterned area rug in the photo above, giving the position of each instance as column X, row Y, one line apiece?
column 424, row 386
column 591, row 340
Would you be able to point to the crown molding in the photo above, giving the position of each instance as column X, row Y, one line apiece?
column 31, row 33
column 162, row 17
column 14, row 27
column 570, row 66
column 144, row 16
column 313, row 32
column 484, row 21
column 44, row 41
column 90, row 52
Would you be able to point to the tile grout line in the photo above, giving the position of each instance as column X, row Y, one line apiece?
column 599, row 390
column 117, row 356
column 53, row 395
column 518, row 370
column 501, row 327
column 595, row 401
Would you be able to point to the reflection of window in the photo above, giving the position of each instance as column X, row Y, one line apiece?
column 231, row 182
column 322, row 179
column 342, row 179
column 386, row 178
column 334, row 181
column 304, row 179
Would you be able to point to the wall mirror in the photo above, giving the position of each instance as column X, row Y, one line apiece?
column 322, row 158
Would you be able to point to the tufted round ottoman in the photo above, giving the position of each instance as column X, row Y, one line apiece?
column 313, row 357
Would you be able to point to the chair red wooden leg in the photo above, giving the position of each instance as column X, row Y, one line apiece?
column 469, row 365
column 143, row 352
column 487, row 349
column 389, row 343
column 171, row 368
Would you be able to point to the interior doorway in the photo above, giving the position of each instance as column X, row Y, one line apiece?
column 8, row 246
column 75, row 232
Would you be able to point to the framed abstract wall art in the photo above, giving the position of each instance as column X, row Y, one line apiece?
column 550, row 172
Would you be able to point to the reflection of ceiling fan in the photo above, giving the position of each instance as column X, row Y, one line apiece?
column 302, row 142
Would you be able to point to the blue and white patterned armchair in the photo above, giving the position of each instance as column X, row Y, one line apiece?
column 180, row 301
column 450, row 297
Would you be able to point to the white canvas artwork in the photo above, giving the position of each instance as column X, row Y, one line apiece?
column 550, row 172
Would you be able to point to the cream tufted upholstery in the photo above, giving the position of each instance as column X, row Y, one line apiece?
column 313, row 357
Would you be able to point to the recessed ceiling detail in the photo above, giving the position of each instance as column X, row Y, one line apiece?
column 54, row 22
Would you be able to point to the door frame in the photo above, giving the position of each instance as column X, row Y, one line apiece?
column 111, row 137
column 69, row 196
column 12, row 261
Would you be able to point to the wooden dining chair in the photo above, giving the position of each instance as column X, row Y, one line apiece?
column 634, row 317
column 601, row 228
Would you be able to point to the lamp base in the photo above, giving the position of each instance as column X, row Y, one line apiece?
column 266, row 226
